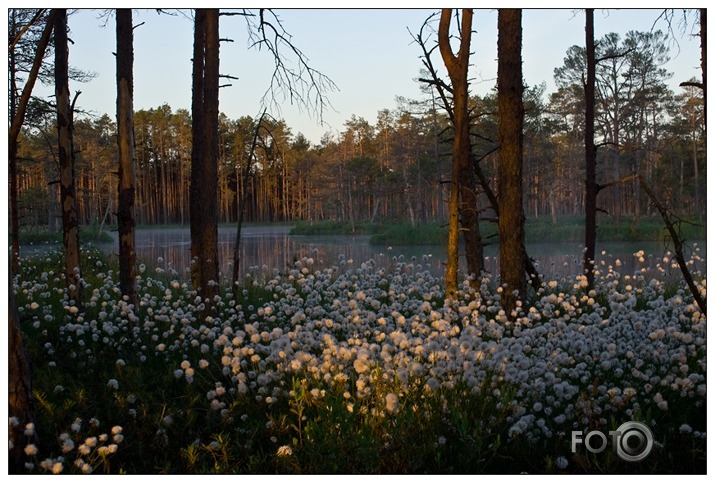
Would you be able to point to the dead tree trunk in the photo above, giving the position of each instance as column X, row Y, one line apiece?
column 677, row 243
column 511, row 139
column 70, row 223
column 125, row 144
column 457, row 67
column 589, row 254
column 204, row 156
column 242, row 205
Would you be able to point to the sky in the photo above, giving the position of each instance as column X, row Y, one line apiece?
column 368, row 53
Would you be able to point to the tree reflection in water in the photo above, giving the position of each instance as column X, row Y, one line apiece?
column 265, row 249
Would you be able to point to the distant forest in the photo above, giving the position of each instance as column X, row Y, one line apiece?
column 397, row 169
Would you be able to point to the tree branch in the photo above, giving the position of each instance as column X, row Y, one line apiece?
column 443, row 89
column 37, row 17
column 302, row 85
column 623, row 180
column 615, row 55
column 699, row 85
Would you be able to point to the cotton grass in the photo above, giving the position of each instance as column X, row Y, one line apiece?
column 359, row 362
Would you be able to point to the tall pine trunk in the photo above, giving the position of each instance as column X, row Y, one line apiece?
column 589, row 253
column 68, row 198
column 18, row 109
column 20, row 400
column 204, row 156
column 125, row 144
column 510, row 128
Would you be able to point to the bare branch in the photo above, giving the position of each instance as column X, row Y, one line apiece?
column 35, row 19
column 19, row 115
column 444, row 90
column 74, row 101
column 699, row 85
column 668, row 16
column 236, row 14
column 623, row 180
column 615, row 55
column 300, row 84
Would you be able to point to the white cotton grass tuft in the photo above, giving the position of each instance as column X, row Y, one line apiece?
column 381, row 337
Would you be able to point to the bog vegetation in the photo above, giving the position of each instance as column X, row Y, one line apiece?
column 360, row 369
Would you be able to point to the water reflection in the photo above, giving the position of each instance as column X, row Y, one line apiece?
column 268, row 248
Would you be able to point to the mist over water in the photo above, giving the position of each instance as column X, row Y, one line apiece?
column 267, row 249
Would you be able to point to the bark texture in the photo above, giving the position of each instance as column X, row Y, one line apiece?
column 512, row 254
column 65, row 153
column 125, row 144
column 462, row 194
column 589, row 254
column 204, row 156
column 20, row 400
column 18, row 110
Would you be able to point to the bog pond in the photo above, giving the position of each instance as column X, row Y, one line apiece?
column 267, row 248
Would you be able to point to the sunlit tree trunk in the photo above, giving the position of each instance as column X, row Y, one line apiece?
column 458, row 68
column 70, row 225
column 125, row 144
column 511, row 138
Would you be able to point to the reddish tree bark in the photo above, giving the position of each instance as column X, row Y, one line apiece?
column 462, row 181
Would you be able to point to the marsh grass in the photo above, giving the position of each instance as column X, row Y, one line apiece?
column 43, row 236
column 567, row 229
column 357, row 370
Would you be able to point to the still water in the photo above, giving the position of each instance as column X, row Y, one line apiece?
column 268, row 248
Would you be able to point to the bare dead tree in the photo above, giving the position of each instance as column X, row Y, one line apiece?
column 125, row 145
column 510, row 93
column 589, row 254
column 670, row 225
column 66, row 154
column 244, row 200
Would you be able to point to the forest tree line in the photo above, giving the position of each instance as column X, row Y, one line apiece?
column 397, row 168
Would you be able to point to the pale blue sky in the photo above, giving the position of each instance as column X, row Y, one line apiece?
column 368, row 53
